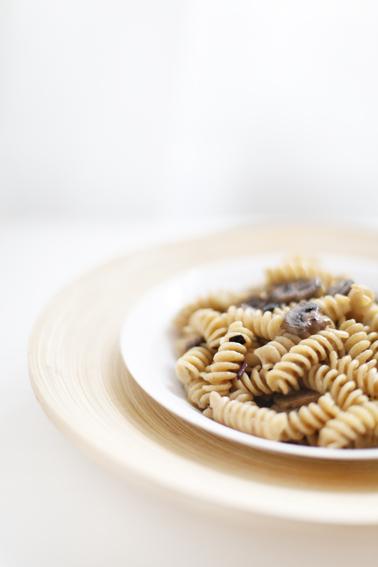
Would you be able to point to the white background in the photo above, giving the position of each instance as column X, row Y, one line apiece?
column 188, row 107
column 121, row 123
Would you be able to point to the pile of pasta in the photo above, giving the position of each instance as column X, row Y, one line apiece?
column 293, row 360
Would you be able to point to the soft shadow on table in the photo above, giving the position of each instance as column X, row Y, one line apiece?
column 60, row 509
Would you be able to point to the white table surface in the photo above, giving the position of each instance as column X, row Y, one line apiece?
column 58, row 508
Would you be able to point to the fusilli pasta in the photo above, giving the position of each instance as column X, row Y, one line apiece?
column 218, row 301
column 285, row 375
column 344, row 391
column 255, row 381
column 336, row 307
column 361, row 299
column 248, row 417
column 192, row 363
column 349, row 425
column 296, row 269
column 294, row 359
column 274, row 350
column 239, row 392
column 358, row 343
column 308, row 420
column 265, row 325
column 230, row 355
column 365, row 376
column 199, row 391
column 210, row 324
column 371, row 317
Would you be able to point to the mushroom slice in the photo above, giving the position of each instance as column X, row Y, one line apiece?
column 296, row 290
column 294, row 400
column 342, row 287
column 305, row 319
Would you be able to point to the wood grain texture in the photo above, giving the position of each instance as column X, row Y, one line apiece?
column 81, row 382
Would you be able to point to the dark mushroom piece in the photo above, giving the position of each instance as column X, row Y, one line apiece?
column 296, row 290
column 271, row 306
column 242, row 369
column 261, row 304
column 238, row 339
column 305, row 319
column 294, row 400
column 341, row 287
column 264, row 401
column 254, row 302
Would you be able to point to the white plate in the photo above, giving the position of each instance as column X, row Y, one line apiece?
column 147, row 343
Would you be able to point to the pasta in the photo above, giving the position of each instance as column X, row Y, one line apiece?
column 192, row 363
column 265, row 325
column 210, row 324
column 365, row 376
column 371, row 317
column 361, row 298
column 349, row 425
column 292, row 360
column 336, row 307
column 230, row 355
column 239, row 392
column 358, row 343
column 255, row 382
column 199, row 391
column 218, row 301
column 311, row 418
column 373, row 338
column 248, row 417
column 296, row 269
column 344, row 391
column 286, row 373
column 274, row 350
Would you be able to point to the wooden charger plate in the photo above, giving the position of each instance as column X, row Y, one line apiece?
column 80, row 380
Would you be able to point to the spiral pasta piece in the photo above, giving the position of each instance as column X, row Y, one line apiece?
column 365, row 376
column 308, row 420
column 349, row 425
column 247, row 417
column 230, row 355
column 358, row 344
column 274, row 350
column 345, row 364
column 296, row 269
column 239, row 392
column 198, row 392
column 285, row 375
column 344, row 391
column 265, row 325
column 192, row 363
column 183, row 343
column 373, row 338
column 336, row 307
column 371, row 316
column 255, row 382
column 218, row 301
column 361, row 299
column 283, row 309
column 210, row 324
